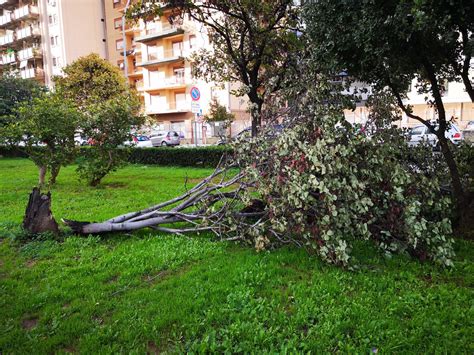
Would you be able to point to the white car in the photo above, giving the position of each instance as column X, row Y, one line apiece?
column 419, row 134
column 139, row 142
column 469, row 126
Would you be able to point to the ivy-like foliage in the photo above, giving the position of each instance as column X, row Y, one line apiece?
column 324, row 184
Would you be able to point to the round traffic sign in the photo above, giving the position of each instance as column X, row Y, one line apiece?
column 195, row 94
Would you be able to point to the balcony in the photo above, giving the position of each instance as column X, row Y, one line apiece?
column 168, row 107
column 6, row 19
column 7, row 3
column 7, row 39
column 25, row 12
column 157, row 33
column 29, row 53
column 173, row 82
column 168, row 56
column 27, row 32
column 31, row 73
column 134, row 72
column 8, row 58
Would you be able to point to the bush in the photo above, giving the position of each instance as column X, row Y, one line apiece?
column 207, row 157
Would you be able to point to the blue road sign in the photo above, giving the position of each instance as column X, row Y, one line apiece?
column 195, row 94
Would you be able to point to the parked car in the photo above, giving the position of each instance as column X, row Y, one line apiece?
column 469, row 126
column 419, row 134
column 80, row 140
column 165, row 138
column 139, row 141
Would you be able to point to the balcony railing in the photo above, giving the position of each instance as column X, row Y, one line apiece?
column 163, row 57
column 7, row 39
column 172, row 81
column 7, row 2
column 31, row 73
column 25, row 12
column 8, row 58
column 27, row 32
column 6, row 19
column 160, row 32
column 168, row 107
column 28, row 53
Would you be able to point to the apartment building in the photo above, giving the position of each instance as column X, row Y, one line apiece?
column 156, row 63
column 39, row 37
column 457, row 104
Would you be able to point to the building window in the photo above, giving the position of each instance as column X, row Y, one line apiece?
column 192, row 42
column 52, row 2
column 54, row 41
column 53, row 19
column 152, row 52
column 177, row 49
column 117, row 3
column 118, row 23
column 56, row 62
column 119, row 44
column 179, row 74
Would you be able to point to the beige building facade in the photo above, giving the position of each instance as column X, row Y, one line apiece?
column 157, row 64
column 39, row 37
column 457, row 103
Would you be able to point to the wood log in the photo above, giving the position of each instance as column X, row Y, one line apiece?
column 38, row 217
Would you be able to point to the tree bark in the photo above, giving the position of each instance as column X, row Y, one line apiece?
column 42, row 175
column 54, row 174
column 256, row 111
column 38, row 217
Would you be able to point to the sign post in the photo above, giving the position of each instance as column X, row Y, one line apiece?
column 196, row 109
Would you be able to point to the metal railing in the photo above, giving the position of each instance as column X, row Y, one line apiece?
column 31, row 73
column 6, row 18
column 167, row 54
column 8, row 58
column 27, row 32
column 167, row 106
column 28, row 53
column 25, row 11
column 6, row 39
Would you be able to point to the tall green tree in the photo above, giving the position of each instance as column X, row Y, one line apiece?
column 388, row 44
column 47, row 125
column 110, row 110
column 13, row 92
column 253, row 43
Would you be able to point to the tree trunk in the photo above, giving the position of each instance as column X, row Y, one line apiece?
column 255, row 112
column 38, row 217
column 54, row 174
column 42, row 175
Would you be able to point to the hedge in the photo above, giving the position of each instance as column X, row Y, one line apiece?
column 164, row 156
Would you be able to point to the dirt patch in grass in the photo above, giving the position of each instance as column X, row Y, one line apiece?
column 29, row 323
column 115, row 185
column 152, row 348
column 111, row 280
column 30, row 263
column 69, row 350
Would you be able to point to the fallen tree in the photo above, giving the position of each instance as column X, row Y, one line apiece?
column 320, row 184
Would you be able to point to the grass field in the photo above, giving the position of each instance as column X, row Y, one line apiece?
column 150, row 292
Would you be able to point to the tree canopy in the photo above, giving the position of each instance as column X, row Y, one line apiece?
column 389, row 44
column 253, row 42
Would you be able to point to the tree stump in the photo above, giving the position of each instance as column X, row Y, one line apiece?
column 38, row 217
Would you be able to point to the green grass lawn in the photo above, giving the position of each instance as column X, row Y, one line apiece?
column 151, row 292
